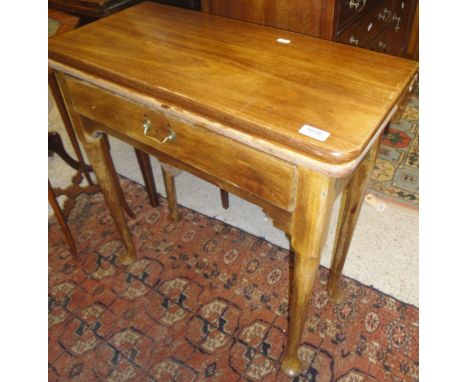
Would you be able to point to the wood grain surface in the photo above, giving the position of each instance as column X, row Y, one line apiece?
column 252, row 170
column 242, row 76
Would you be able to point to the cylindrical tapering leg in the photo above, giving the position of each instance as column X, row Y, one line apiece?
column 96, row 146
column 148, row 177
column 351, row 203
column 61, row 220
column 112, row 172
column 169, row 184
column 311, row 219
column 97, row 150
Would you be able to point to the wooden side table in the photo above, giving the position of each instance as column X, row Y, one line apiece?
column 283, row 120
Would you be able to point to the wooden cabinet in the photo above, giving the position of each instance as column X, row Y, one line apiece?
column 380, row 25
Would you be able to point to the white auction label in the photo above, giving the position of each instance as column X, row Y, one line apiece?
column 315, row 133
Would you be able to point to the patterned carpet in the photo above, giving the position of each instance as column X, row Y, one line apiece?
column 205, row 302
column 396, row 173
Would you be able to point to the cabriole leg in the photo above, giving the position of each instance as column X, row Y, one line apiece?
column 315, row 194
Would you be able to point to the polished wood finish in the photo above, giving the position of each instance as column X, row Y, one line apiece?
column 352, row 22
column 248, row 169
column 351, row 203
column 370, row 24
column 342, row 83
column 303, row 16
column 233, row 99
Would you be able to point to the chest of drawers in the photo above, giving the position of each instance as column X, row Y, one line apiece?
column 379, row 25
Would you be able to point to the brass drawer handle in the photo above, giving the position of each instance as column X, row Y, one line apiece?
column 147, row 127
column 358, row 5
column 384, row 14
column 353, row 41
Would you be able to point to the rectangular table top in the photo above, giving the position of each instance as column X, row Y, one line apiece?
column 240, row 74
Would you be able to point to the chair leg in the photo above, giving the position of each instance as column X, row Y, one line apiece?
column 169, row 183
column 61, row 220
column 148, row 177
column 56, row 146
column 113, row 174
column 56, row 93
column 224, row 198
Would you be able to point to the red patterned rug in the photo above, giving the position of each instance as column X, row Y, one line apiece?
column 205, row 302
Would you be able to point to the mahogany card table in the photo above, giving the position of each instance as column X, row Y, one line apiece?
column 284, row 120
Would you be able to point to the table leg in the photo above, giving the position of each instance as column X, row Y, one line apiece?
column 351, row 203
column 115, row 179
column 96, row 148
column 62, row 223
column 148, row 177
column 315, row 194
column 169, row 184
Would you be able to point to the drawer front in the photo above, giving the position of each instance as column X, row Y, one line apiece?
column 401, row 26
column 350, row 10
column 368, row 26
column 248, row 169
column 380, row 43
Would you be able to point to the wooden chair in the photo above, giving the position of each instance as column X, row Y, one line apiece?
column 84, row 13
column 60, row 22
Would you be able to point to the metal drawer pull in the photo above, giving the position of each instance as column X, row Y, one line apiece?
column 381, row 46
column 385, row 14
column 353, row 40
column 358, row 5
column 147, row 127
column 397, row 19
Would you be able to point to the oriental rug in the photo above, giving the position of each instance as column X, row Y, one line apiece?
column 205, row 302
column 396, row 173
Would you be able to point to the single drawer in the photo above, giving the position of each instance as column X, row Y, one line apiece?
column 368, row 26
column 248, row 169
column 380, row 43
column 350, row 10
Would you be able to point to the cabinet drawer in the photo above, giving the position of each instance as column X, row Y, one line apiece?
column 368, row 26
column 349, row 10
column 380, row 43
column 248, row 169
